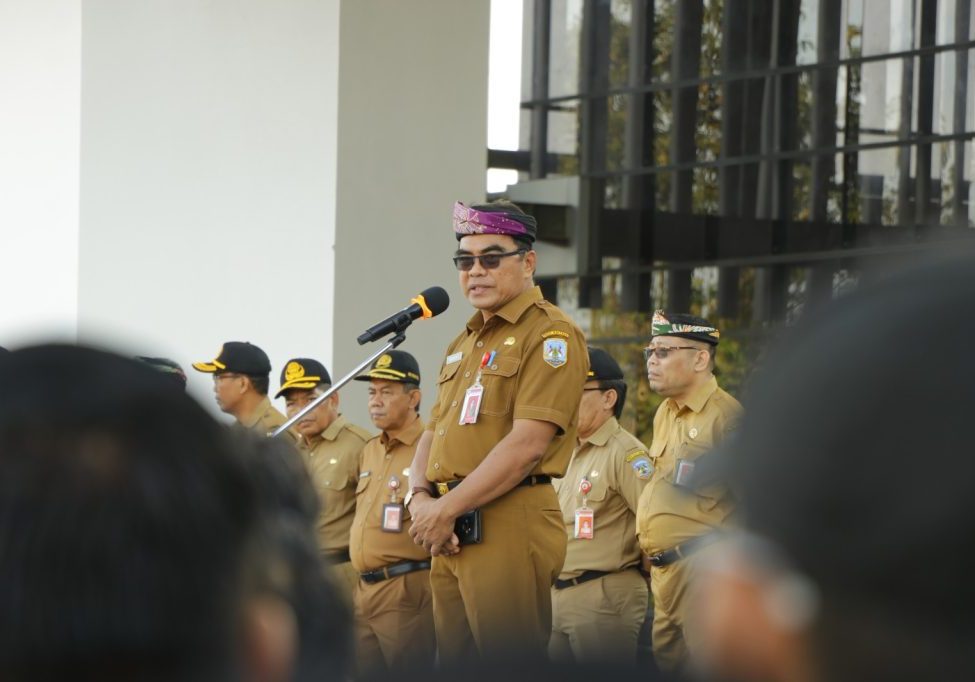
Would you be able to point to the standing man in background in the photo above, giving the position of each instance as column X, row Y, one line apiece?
column 330, row 446
column 676, row 515
column 599, row 601
column 393, row 605
column 503, row 424
column 241, row 375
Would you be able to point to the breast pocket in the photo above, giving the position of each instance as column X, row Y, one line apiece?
column 708, row 497
column 499, row 382
column 362, row 485
column 448, row 371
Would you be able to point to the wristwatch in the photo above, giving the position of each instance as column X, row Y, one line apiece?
column 412, row 492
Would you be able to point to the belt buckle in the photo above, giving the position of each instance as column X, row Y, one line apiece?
column 656, row 559
column 442, row 489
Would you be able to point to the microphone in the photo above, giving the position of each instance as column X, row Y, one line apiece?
column 428, row 303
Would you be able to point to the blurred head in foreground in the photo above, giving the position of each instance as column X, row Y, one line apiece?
column 141, row 540
column 856, row 476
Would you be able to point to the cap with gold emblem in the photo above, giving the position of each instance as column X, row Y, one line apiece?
column 396, row 365
column 239, row 357
column 602, row 366
column 303, row 373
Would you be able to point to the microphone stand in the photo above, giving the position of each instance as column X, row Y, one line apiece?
column 390, row 344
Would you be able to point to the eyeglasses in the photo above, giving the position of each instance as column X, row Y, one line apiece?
column 489, row 261
column 663, row 351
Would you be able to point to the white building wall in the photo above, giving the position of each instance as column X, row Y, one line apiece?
column 412, row 139
column 208, row 153
column 40, row 109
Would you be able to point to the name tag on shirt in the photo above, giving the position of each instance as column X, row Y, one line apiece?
column 451, row 359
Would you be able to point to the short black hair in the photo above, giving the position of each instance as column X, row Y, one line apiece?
column 260, row 382
column 132, row 525
column 410, row 386
column 618, row 385
column 844, row 501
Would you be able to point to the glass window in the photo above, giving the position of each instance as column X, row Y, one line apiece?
column 564, row 46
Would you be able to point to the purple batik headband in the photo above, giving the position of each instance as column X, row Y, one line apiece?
column 469, row 220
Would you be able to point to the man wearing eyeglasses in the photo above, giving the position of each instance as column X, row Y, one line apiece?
column 241, row 375
column 599, row 601
column 675, row 514
column 503, row 424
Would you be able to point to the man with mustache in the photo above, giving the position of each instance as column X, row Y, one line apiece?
column 331, row 446
column 503, row 424
column 393, row 605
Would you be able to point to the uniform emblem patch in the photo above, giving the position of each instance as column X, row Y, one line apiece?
column 384, row 361
column 642, row 468
column 510, row 341
column 555, row 352
column 293, row 371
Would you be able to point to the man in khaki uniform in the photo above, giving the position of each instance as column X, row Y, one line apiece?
column 599, row 601
column 330, row 446
column 241, row 374
column 503, row 425
column 675, row 516
column 393, row 605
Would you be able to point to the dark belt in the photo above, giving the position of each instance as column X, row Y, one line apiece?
column 442, row 489
column 584, row 577
column 338, row 556
column 393, row 570
column 681, row 551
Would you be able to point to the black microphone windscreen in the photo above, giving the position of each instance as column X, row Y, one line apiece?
column 436, row 299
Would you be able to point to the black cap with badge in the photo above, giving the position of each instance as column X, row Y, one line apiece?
column 239, row 357
column 304, row 373
column 396, row 365
column 602, row 366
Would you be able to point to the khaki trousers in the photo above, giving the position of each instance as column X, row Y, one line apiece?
column 494, row 599
column 344, row 578
column 599, row 620
column 669, row 585
column 394, row 624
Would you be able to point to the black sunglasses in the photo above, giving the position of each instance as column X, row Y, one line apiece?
column 489, row 261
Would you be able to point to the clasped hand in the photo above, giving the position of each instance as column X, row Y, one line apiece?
column 432, row 528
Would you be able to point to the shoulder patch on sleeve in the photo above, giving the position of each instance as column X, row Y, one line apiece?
column 642, row 468
column 555, row 332
column 555, row 351
column 633, row 454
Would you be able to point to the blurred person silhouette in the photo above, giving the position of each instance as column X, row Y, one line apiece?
column 141, row 540
column 854, row 468
column 168, row 367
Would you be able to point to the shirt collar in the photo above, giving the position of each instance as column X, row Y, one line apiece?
column 407, row 437
column 262, row 407
column 333, row 430
column 510, row 311
column 601, row 435
column 700, row 396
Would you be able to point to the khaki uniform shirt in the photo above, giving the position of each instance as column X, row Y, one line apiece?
column 538, row 371
column 332, row 458
column 266, row 419
column 382, row 459
column 618, row 467
column 670, row 514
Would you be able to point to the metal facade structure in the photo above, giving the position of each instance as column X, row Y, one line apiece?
column 743, row 159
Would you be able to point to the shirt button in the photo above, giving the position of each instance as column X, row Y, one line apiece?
column 494, row 367
column 466, row 374
column 480, row 344
column 328, row 482
column 436, row 465
column 441, row 432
